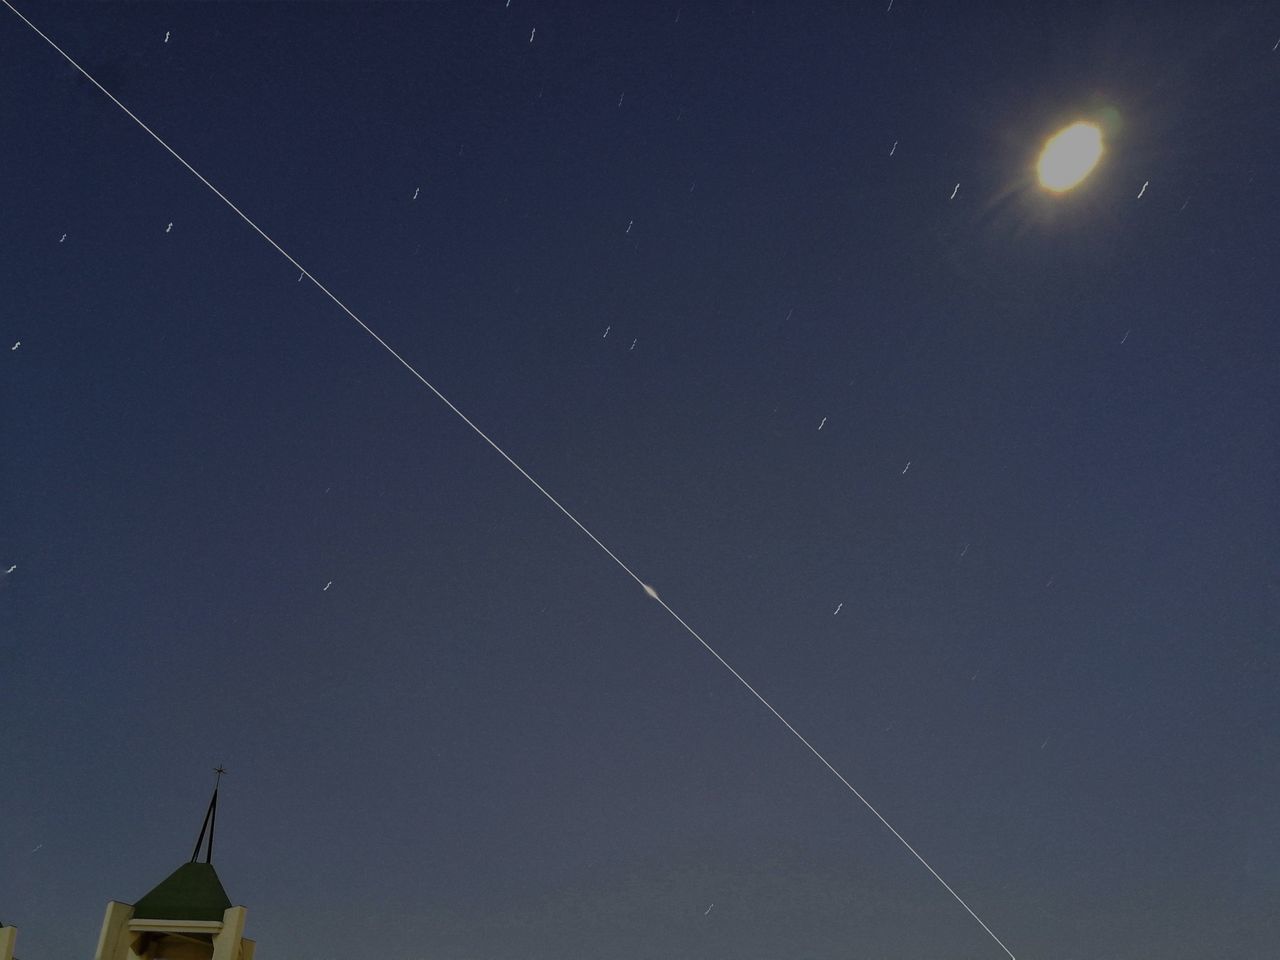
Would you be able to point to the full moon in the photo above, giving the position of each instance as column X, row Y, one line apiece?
column 1068, row 156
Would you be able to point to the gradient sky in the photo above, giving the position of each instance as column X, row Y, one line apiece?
column 1054, row 669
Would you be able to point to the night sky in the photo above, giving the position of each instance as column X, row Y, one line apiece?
column 977, row 485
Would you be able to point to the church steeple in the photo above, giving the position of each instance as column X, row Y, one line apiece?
column 193, row 891
column 188, row 915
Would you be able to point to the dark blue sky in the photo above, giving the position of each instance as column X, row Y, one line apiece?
column 1055, row 665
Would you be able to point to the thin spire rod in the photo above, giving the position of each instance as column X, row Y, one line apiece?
column 210, row 820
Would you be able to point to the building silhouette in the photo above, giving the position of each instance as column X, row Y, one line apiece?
column 187, row 916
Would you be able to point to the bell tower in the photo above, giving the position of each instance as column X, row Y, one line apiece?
column 187, row 916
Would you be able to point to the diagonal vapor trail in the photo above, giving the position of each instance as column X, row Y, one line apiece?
column 539, row 487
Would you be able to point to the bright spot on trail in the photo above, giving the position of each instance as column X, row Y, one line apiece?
column 651, row 592
column 1068, row 156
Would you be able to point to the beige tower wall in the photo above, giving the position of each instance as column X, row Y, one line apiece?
column 226, row 943
column 113, row 941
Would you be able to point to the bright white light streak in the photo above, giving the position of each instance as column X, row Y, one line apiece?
column 649, row 591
